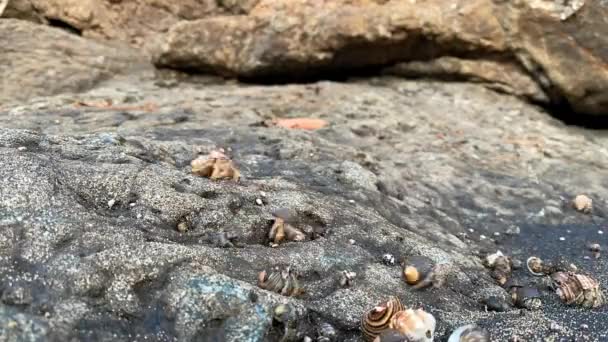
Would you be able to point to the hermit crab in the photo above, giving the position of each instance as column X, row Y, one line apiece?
column 578, row 289
column 421, row 272
column 391, row 320
column 526, row 297
column 282, row 230
column 283, row 281
column 537, row 267
column 470, row 333
column 500, row 265
column 216, row 165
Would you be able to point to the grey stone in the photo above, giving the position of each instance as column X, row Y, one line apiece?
column 88, row 266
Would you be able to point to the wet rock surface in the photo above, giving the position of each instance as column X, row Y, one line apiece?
column 94, row 186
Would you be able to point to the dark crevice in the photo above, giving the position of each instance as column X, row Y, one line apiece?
column 568, row 116
column 64, row 26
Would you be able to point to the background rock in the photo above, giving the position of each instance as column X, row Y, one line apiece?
column 40, row 60
column 528, row 48
column 133, row 22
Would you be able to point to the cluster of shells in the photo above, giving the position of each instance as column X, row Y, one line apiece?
column 392, row 318
column 391, row 321
column 216, row 165
column 283, row 281
column 571, row 287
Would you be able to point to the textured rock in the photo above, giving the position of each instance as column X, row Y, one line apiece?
column 565, row 47
column 134, row 22
column 285, row 37
column 406, row 168
column 40, row 60
column 535, row 48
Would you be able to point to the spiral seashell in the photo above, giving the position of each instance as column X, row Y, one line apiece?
column 417, row 325
column 376, row 320
column 526, row 297
column 470, row 333
column 578, row 289
column 416, row 269
column 535, row 266
column 284, row 282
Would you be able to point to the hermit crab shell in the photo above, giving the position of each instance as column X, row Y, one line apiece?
column 470, row 333
column 283, row 281
column 578, row 289
column 417, row 325
column 535, row 266
column 376, row 320
column 526, row 297
column 416, row 269
column 215, row 168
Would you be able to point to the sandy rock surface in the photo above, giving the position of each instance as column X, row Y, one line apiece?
column 106, row 234
column 95, row 184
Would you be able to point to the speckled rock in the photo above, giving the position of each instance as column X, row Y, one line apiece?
column 38, row 60
column 404, row 167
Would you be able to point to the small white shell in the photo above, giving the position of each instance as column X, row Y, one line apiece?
column 417, row 325
column 470, row 333
column 530, row 264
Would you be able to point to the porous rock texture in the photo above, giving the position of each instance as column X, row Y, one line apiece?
column 95, row 184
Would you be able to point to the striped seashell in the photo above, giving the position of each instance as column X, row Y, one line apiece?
column 470, row 333
column 578, row 289
column 376, row 320
column 283, row 281
column 417, row 325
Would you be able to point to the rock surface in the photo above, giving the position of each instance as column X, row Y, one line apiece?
column 551, row 53
column 39, row 60
column 91, row 197
column 135, row 21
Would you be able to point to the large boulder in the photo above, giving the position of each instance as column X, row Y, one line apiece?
column 40, row 60
column 537, row 49
column 133, row 22
column 94, row 200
